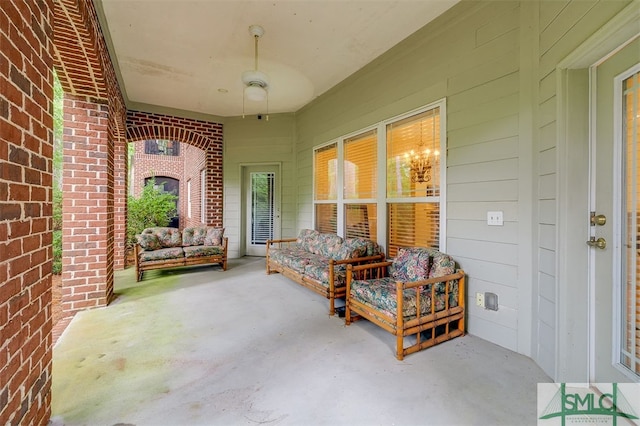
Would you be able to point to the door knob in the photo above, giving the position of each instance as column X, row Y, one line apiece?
column 598, row 219
column 600, row 243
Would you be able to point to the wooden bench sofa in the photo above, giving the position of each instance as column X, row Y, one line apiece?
column 419, row 296
column 164, row 247
column 318, row 260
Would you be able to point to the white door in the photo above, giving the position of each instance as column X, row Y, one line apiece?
column 615, row 305
column 261, row 207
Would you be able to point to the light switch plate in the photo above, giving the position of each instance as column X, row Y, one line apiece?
column 495, row 218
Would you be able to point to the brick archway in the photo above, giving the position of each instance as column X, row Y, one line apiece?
column 94, row 170
column 205, row 135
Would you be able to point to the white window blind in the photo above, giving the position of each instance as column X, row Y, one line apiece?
column 203, row 196
column 402, row 153
column 326, row 172
column 326, row 188
column 415, row 135
column 630, row 355
column 360, row 165
column 262, row 207
column 413, row 225
column 189, row 198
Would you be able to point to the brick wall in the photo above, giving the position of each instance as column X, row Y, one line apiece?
column 95, row 160
column 195, row 160
column 204, row 135
column 25, row 210
column 183, row 167
column 87, row 211
column 149, row 165
column 98, row 136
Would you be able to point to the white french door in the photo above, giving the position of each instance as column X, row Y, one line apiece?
column 261, row 207
column 614, row 313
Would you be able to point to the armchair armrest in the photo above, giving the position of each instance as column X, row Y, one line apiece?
column 367, row 271
column 280, row 242
column 444, row 278
column 365, row 259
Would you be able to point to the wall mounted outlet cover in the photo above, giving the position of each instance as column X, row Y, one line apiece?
column 491, row 301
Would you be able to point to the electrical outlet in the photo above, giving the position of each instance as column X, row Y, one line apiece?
column 480, row 299
column 495, row 218
column 491, row 301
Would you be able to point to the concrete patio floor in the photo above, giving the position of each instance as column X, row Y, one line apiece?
column 200, row 346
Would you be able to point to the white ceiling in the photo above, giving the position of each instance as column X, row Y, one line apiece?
column 190, row 54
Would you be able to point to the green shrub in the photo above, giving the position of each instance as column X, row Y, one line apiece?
column 152, row 208
column 57, row 209
column 57, row 252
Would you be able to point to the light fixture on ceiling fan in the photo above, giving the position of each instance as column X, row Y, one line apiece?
column 256, row 82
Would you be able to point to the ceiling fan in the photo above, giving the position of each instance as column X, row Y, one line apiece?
column 256, row 82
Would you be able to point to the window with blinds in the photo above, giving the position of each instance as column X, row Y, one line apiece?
column 360, row 183
column 326, row 173
column 262, row 207
column 411, row 142
column 361, row 220
column 413, row 225
column 327, row 218
column 401, row 155
column 360, row 164
column 203, row 196
column 325, row 193
column 418, row 135
column 630, row 351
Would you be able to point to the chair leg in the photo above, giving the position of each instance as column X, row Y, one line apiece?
column 399, row 346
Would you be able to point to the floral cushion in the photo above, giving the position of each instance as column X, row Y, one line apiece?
column 411, row 264
column 149, row 241
column 306, row 237
column 194, row 236
column 214, row 236
column 442, row 264
column 381, row 294
column 198, row 251
column 162, row 254
column 328, row 245
column 313, row 250
column 317, row 268
column 168, row 237
column 350, row 248
column 293, row 258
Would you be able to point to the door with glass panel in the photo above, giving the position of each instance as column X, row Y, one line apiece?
column 615, row 218
column 262, row 210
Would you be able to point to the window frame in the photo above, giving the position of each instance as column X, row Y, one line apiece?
column 381, row 199
column 203, row 196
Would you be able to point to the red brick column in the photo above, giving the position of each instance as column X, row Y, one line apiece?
column 87, row 212
column 120, row 179
column 214, row 189
column 26, row 151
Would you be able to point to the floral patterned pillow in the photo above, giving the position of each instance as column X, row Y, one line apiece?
column 306, row 239
column 442, row 265
column 411, row 264
column 351, row 248
column 168, row 237
column 194, row 236
column 149, row 241
column 214, row 237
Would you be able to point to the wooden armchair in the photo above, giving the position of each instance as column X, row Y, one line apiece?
column 418, row 295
